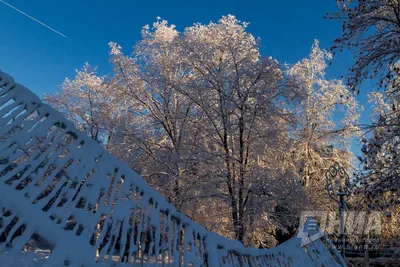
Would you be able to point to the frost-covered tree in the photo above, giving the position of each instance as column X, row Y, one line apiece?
column 381, row 157
column 204, row 122
column 89, row 103
column 325, row 116
column 159, row 128
column 237, row 92
column 371, row 30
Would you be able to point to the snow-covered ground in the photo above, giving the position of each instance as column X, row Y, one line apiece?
column 28, row 258
column 38, row 258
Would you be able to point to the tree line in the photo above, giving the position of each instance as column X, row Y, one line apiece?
column 234, row 139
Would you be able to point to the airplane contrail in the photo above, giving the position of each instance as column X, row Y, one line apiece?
column 32, row 18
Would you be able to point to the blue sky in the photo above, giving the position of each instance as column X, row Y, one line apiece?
column 40, row 59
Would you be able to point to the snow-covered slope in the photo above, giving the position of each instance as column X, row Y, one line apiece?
column 62, row 193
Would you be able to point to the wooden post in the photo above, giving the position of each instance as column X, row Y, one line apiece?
column 366, row 257
column 366, row 253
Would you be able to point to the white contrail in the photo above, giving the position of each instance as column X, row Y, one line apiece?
column 32, row 18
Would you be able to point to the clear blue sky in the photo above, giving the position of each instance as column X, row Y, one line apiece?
column 40, row 59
